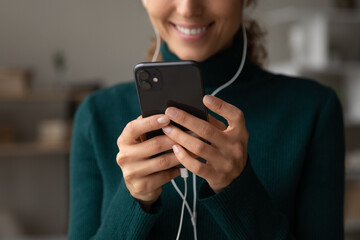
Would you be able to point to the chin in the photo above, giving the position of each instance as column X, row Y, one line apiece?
column 194, row 56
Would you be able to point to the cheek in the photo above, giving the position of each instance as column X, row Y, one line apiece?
column 228, row 11
column 158, row 10
column 159, row 16
column 230, row 24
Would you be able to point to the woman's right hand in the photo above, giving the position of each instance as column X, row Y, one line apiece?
column 145, row 175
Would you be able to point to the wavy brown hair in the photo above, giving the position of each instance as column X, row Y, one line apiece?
column 256, row 50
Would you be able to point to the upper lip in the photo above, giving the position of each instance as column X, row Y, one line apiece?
column 191, row 26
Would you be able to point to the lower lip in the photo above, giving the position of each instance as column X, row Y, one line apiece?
column 195, row 37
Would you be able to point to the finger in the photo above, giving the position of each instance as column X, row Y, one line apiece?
column 232, row 114
column 200, row 127
column 218, row 124
column 192, row 144
column 142, row 138
column 155, row 181
column 150, row 166
column 201, row 169
column 138, row 127
column 147, row 148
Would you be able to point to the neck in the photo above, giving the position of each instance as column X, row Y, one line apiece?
column 219, row 68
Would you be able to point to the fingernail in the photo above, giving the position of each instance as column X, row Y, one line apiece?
column 175, row 149
column 171, row 112
column 209, row 99
column 163, row 120
column 167, row 129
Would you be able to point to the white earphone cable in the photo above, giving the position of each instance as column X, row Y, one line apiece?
column 184, row 174
column 222, row 87
column 158, row 43
column 240, row 67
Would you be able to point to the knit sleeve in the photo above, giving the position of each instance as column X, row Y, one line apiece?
column 321, row 192
column 244, row 209
column 123, row 218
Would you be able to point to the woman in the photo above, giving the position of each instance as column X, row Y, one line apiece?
column 280, row 176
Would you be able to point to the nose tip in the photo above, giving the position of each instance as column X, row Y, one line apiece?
column 190, row 8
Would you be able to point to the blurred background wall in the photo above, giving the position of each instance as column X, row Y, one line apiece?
column 56, row 52
column 101, row 39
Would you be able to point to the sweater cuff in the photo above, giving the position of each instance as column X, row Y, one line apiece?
column 206, row 192
column 139, row 222
column 234, row 206
column 156, row 208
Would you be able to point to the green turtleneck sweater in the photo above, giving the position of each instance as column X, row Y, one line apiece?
column 291, row 188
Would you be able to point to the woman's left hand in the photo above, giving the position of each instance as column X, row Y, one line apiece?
column 226, row 152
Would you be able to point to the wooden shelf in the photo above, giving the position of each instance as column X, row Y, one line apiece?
column 28, row 149
column 45, row 237
column 45, row 96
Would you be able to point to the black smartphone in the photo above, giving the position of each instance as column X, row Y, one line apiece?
column 170, row 84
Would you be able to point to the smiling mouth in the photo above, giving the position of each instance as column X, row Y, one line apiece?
column 191, row 31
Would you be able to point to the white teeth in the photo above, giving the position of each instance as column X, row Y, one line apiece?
column 191, row 31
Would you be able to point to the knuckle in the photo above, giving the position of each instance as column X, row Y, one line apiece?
column 181, row 117
column 199, row 147
column 121, row 158
column 130, row 126
column 135, row 188
column 140, row 187
column 238, row 114
column 128, row 175
column 118, row 156
column 205, row 130
column 164, row 162
column 155, row 144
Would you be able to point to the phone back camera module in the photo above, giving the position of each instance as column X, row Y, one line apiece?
column 149, row 79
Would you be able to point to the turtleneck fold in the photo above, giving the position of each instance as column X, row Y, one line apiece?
column 219, row 68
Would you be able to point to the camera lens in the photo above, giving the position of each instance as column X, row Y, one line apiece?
column 145, row 85
column 143, row 75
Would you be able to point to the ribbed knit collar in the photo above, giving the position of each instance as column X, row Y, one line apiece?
column 219, row 68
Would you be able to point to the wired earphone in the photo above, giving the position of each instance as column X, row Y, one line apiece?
column 184, row 171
